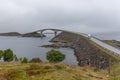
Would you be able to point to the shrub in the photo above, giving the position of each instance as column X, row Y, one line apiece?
column 16, row 59
column 24, row 60
column 35, row 60
column 8, row 55
column 55, row 56
column 20, row 59
column 1, row 54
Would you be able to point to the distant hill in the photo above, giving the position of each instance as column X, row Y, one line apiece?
column 10, row 34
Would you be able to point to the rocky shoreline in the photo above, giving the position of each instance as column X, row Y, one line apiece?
column 86, row 53
column 56, row 45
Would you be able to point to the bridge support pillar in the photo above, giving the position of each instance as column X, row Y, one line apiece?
column 41, row 34
column 55, row 33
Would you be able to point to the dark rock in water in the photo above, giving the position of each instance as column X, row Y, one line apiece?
column 10, row 34
column 50, row 46
column 56, row 45
column 34, row 34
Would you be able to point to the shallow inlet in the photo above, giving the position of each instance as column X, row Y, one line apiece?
column 29, row 47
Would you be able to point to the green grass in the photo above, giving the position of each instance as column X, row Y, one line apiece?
column 115, row 71
column 49, row 71
column 110, row 41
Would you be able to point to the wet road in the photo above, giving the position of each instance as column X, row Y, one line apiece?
column 102, row 44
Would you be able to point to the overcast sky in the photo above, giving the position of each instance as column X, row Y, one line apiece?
column 75, row 15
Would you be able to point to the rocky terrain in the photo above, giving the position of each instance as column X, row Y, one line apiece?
column 86, row 51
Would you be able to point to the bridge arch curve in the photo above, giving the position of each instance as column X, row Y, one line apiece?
column 42, row 30
column 54, row 30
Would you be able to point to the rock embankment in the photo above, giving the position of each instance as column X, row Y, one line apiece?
column 85, row 51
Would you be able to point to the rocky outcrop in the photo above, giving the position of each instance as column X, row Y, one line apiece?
column 56, row 45
column 85, row 51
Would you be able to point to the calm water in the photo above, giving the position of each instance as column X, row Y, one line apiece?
column 29, row 47
column 108, row 36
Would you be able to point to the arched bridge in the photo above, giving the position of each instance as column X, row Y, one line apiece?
column 92, row 38
column 54, row 30
column 86, row 49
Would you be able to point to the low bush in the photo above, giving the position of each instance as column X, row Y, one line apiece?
column 35, row 60
column 8, row 55
column 55, row 56
column 24, row 60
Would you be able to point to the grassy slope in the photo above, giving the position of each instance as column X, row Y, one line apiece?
column 115, row 69
column 49, row 71
column 114, row 43
column 115, row 72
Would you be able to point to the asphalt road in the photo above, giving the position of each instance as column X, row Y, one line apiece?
column 103, row 44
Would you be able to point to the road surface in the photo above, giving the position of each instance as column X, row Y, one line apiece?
column 102, row 44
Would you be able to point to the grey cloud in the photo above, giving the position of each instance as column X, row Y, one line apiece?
column 76, row 15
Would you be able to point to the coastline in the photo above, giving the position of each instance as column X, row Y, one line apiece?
column 85, row 51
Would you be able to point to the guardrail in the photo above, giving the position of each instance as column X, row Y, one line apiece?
column 90, row 37
column 114, row 53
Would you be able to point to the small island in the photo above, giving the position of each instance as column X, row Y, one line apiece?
column 32, row 34
column 10, row 34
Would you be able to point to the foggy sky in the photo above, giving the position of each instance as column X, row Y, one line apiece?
column 74, row 15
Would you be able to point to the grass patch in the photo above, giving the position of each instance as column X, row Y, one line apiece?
column 17, row 75
column 48, row 71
